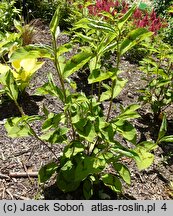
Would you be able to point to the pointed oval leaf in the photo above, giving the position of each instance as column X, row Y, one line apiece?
column 112, row 182
column 32, row 52
column 147, row 145
column 105, row 96
column 168, row 139
column 120, row 83
column 100, row 25
column 163, row 128
column 54, row 28
column 87, row 189
column 127, row 131
column 133, row 38
column 46, row 172
column 123, row 172
column 66, row 180
column 146, row 158
column 125, row 17
column 11, row 86
column 76, row 62
column 98, row 76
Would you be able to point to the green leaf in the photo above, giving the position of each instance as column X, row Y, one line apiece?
column 84, row 37
column 100, row 123
column 83, row 23
column 45, row 110
column 87, row 189
column 97, row 76
column 66, row 180
column 85, row 128
column 127, row 131
column 143, row 6
column 11, row 87
column 163, row 128
column 168, row 139
column 88, row 165
column 18, row 25
column 52, row 121
column 120, row 83
column 147, row 145
column 54, row 28
column 93, row 63
column 107, row 14
column 111, row 47
column 55, row 136
column 46, row 172
column 112, row 182
column 73, row 149
column 119, row 149
column 146, row 158
column 76, row 62
column 108, row 156
column 105, row 95
column 63, row 49
column 107, row 44
column 133, row 38
column 32, row 52
column 50, row 88
column 125, row 17
column 101, row 25
column 108, row 132
column 123, row 172
column 16, row 127
column 129, row 113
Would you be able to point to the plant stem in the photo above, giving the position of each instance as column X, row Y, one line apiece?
column 114, row 81
column 112, row 88
column 32, row 130
column 99, row 91
column 57, row 66
column 58, row 69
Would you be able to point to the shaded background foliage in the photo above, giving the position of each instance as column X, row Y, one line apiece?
column 44, row 9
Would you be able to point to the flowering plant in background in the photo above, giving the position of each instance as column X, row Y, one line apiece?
column 141, row 17
column 110, row 6
column 148, row 20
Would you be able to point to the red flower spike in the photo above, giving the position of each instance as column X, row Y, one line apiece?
column 153, row 15
column 137, row 14
column 117, row 4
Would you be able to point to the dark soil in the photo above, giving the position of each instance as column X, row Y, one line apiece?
column 28, row 154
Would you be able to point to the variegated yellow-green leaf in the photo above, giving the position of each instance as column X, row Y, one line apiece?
column 4, row 69
column 76, row 62
column 133, row 38
column 25, row 68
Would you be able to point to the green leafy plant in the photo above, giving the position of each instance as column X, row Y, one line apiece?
column 8, row 12
column 161, row 6
column 10, row 41
column 158, row 91
column 162, row 137
column 89, row 134
column 26, row 32
column 163, row 9
column 22, row 69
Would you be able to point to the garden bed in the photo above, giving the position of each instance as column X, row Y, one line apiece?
column 21, row 155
